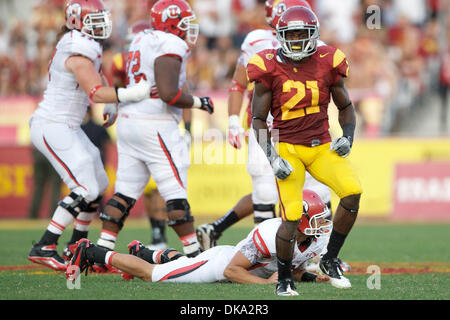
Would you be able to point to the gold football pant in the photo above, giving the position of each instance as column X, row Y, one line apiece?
column 324, row 165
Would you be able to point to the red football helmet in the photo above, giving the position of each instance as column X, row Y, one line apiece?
column 175, row 16
column 89, row 17
column 304, row 22
column 313, row 222
column 136, row 28
column 268, row 7
column 280, row 6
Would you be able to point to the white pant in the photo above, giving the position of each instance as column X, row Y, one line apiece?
column 263, row 179
column 76, row 159
column 207, row 267
column 151, row 147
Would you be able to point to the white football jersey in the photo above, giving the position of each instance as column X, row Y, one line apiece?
column 64, row 99
column 259, row 248
column 256, row 41
column 144, row 49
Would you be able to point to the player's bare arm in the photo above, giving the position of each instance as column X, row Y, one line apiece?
column 237, row 271
column 90, row 81
column 262, row 99
column 347, row 118
column 235, row 99
column 167, row 73
column 301, row 275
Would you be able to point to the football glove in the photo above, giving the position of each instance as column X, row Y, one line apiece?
column 281, row 168
column 110, row 114
column 207, row 104
column 235, row 131
column 135, row 93
column 341, row 146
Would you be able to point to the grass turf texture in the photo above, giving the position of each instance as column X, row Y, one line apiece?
column 384, row 244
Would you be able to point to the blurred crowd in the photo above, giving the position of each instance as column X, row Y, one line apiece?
column 397, row 49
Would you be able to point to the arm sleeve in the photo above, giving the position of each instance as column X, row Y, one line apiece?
column 84, row 46
column 340, row 66
column 173, row 46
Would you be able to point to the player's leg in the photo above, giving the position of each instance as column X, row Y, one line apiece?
column 84, row 218
column 209, row 233
column 337, row 173
column 87, row 254
column 264, row 194
column 168, row 164
column 155, row 207
column 67, row 153
column 291, row 208
column 132, row 176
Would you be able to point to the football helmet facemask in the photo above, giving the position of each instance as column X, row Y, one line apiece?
column 89, row 17
column 298, row 33
column 313, row 222
column 176, row 17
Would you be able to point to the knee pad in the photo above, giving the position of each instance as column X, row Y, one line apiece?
column 78, row 204
column 264, row 193
column 124, row 209
column 263, row 212
column 93, row 205
column 179, row 204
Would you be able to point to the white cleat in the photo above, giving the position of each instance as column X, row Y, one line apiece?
column 286, row 288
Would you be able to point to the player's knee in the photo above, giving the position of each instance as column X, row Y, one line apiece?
column 122, row 203
column 264, row 193
column 351, row 203
column 178, row 212
column 74, row 204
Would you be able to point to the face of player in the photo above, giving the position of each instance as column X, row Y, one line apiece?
column 297, row 38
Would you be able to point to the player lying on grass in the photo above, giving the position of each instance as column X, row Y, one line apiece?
column 252, row 260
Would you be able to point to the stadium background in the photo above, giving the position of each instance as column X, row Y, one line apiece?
column 399, row 77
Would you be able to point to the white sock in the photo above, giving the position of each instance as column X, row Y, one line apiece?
column 61, row 218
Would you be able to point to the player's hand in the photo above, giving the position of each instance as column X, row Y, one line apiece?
column 235, row 131
column 322, row 278
column 110, row 114
column 207, row 104
column 273, row 278
column 135, row 93
column 342, row 146
column 281, row 168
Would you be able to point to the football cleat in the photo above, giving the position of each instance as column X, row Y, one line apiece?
column 47, row 256
column 68, row 251
column 79, row 259
column 332, row 268
column 134, row 247
column 157, row 245
column 207, row 236
column 286, row 288
column 344, row 266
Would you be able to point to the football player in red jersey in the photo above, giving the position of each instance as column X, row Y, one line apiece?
column 295, row 83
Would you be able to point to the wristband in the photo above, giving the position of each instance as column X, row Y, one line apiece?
column 233, row 120
column 308, row 277
column 235, row 86
column 93, row 91
column 197, row 102
column 175, row 99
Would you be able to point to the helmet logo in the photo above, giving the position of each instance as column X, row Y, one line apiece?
column 281, row 8
column 305, row 206
column 73, row 15
column 172, row 12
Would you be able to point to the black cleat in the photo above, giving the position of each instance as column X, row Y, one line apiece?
column 286, row 288
column 332, row 268
column 47, row 256
column 207, row 237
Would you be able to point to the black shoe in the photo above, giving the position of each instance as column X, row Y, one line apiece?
column 69, row 250
column 332, row 268
column 286, row 288
column 79, row 261
column 47, row 256
column 207, row 237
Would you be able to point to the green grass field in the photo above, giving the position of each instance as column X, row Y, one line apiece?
column 414, row 262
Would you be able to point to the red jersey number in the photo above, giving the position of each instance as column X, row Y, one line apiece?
column 133, row 67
